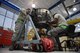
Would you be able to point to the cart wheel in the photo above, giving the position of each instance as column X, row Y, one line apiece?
column 18, row 47
column 3, row 46
column 41, row 49
column 11, row 48
column 15, row 47
column 37, row 47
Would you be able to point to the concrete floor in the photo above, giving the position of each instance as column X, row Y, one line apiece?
column 5, row 50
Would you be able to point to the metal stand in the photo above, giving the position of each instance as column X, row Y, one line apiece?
column 26, row 23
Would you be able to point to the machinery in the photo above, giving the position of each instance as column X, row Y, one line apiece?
column 33, row 38
column 36, row 38
column 72, row 42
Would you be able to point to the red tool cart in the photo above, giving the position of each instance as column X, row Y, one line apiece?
column 5, row 37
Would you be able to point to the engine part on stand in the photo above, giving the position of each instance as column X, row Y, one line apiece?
column 30, row 32
column 43, row 43
column 47, row 45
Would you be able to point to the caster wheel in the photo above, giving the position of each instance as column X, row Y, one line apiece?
column 37, row 48
column 18, row 47
column 40, row 49
column 3, row 46
column 11, row 48
column 14, row 47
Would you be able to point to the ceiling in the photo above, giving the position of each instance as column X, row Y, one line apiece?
column 46, row 4
column 38, row 3
column 60, row 9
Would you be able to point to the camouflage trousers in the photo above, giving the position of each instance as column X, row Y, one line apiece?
column 55, row 30
column 18, row 27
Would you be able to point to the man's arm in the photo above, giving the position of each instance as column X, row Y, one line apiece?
column 55, row 21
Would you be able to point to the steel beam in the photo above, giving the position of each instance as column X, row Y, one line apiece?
column 10, row 5
column 64, row 6
column 73, row 5
column 56, row 4
column 73, row 14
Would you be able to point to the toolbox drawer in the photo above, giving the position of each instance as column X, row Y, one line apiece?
column 5, row 37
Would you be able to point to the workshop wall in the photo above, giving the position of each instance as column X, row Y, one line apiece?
column 8, row 16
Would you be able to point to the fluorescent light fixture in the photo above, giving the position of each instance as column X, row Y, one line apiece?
column 74, row 9
column 70, row 12
column 78, row 25
column 33, row 5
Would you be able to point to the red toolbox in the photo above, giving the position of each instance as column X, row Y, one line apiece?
column 1, row 33
column 5, row 37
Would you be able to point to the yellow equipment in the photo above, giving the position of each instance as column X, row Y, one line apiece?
column 73, row 21
column 31, row 34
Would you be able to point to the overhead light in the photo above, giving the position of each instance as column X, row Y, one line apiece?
column 74, row 9
column 74, row 0
column 33, row 5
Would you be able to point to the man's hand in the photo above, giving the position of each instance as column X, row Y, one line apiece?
column 47, row 22
column 54, row 25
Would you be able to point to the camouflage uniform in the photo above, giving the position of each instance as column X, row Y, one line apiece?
column 18, row 25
